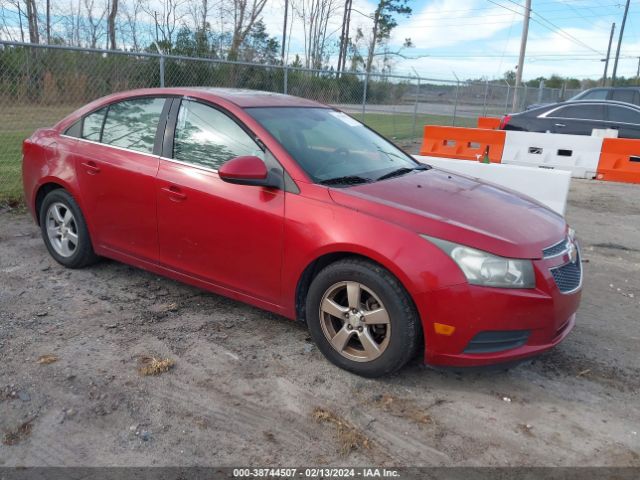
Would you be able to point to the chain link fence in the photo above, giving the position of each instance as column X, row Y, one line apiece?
column 39, row 85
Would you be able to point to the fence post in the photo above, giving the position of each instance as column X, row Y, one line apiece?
column 486, row 92
column 540, row 91
column 286, row 79
column 524, row 98
column 364, row 94
column 415, row 108
column 161, row 70
column 455, row 105
column 506, row 101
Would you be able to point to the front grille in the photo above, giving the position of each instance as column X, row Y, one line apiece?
column 497, row 341
column 568, row 277
column 555, row 250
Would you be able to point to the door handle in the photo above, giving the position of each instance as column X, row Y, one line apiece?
column 560, row 125
column 174, row 193
column 92, row 168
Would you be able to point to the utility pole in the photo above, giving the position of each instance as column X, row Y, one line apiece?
column 48, row 22
column 615, row 63
column 638, row 73
column 523, row 49
column 344, row 38
column 342, row 34
column 606, row 60
column 284, row 29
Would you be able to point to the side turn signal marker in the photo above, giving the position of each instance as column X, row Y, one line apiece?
column 443, row 329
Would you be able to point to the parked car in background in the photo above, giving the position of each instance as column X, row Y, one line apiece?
column 617, row 94
column 578, row 118
column 299, row 209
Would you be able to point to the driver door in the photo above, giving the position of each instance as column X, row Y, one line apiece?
column 578, row 119
column 229, row 235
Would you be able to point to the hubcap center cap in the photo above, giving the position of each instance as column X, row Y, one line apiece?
column 355, row 319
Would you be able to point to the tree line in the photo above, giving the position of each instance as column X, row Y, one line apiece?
column 222, row 29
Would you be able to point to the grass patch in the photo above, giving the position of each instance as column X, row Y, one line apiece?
column 154, row 366
column 350, row 437
column 13, row 437
column 47, row 359
column 18, row 122
column 399, row 407
column 10, row 164
column 399, row 126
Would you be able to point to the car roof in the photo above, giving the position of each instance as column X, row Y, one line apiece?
column 594, row 102
column 568, row 103
column 243, row 98
column 622, row 87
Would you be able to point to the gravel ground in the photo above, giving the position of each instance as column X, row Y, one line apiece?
column 249, row 388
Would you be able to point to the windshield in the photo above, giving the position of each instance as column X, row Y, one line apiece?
column 332, row 147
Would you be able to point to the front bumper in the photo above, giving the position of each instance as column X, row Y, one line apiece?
column 545, row 313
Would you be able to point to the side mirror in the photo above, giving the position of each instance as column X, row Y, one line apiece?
column 249, row 170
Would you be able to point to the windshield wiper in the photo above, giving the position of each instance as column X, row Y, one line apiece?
column 402, row 171
column 346, row 180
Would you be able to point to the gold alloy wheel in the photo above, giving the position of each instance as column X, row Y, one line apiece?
column 355, row 321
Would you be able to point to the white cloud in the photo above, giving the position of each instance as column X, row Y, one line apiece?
column 548, row 52
column 434, row 26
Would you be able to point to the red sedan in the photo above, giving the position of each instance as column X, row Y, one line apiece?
column 299, row 209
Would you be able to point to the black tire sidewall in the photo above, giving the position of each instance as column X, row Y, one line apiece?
column 404, row 320
column 84, row 251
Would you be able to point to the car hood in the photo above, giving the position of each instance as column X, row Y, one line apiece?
column 459, row 209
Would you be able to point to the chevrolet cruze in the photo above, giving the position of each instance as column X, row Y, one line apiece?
column 299, row 209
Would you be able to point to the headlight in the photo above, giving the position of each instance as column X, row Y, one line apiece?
column 482, row 268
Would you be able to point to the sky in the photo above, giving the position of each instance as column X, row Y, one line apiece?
column 481, row 38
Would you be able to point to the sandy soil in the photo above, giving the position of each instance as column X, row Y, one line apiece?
column 248, row 387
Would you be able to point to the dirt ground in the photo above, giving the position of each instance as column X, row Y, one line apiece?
column 248, row 387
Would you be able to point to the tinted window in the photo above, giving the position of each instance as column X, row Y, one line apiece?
column 628, row 96
column 599, row 94
column 623, row 115
column 132, row 124
column 583, row 112
column 92, row 125
column 207, row 137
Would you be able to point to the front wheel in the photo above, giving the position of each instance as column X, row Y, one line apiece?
column 361, row 318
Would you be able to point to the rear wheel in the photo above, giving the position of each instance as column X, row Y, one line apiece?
column 64, row 230
column 361, row 318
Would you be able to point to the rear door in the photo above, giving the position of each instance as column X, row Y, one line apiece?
column 577, row 119
column 624, row 119
column 626, row 95
column 116, row 161
column 229, row 235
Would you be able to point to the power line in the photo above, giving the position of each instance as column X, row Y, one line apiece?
column 559, row 29
column 554, row 28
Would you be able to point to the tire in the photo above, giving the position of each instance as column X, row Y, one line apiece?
column 349, row 338
column 64, row 230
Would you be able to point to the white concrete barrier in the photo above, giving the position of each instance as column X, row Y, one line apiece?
column 549, row 187
column 578, row 154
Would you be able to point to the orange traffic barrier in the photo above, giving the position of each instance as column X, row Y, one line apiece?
column 619, row 160
column 462, row 143
column 490, row 123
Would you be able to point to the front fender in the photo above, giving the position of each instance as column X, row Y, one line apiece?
column 315, row 228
